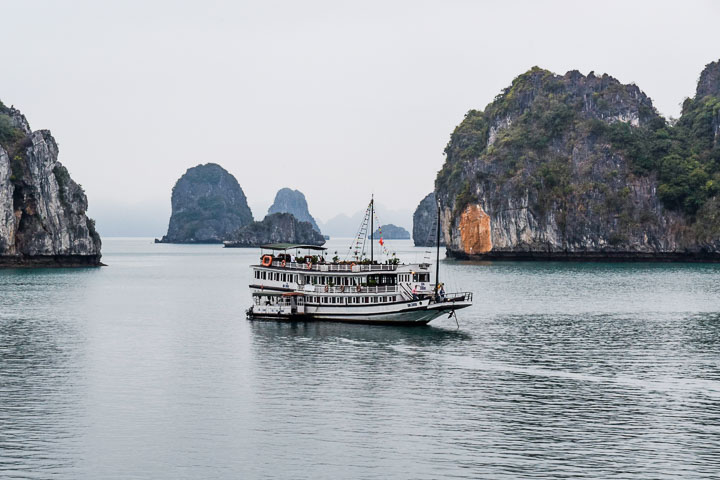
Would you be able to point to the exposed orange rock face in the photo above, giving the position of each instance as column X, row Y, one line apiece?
column 475, row 230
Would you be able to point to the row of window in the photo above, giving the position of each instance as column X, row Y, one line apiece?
column 278, row 277
column 325, row 280
column 350, row 300
column 415, row 277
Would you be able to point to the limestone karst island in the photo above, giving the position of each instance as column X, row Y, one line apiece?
column 209, row 206
column 582, row 167
column 42, row 210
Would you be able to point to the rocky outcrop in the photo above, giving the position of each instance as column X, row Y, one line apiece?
column 275, row 228
column 709, row 82
column 293, row 202
column 577, row 167
column 392, row 232
column 207, row 205
column 42, row 210
column 425, row 222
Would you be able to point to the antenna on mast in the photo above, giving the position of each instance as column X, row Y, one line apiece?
column 437, row 256
column 372, row 227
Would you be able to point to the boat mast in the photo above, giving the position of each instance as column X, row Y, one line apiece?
column 437, row 256
column 372, row 228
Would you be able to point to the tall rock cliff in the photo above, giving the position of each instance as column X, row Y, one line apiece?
column 275, row 228
column 293, row 202
column 425, row 223
column 42, row 210
column 578, row 166
column 207, row 205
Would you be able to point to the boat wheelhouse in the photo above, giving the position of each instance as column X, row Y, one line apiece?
column 297, row 282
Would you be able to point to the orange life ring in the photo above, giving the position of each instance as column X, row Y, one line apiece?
column 267, row 260
column 282, row 264
column 352, row 265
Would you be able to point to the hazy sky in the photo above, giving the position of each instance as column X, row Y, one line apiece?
column 337, row 99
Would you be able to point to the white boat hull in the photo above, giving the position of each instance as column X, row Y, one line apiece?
column 418, row 312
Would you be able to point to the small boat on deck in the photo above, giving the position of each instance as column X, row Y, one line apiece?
column 297, row 283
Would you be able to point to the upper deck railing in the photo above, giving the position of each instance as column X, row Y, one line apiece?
column 335, row 267
column 458, row 297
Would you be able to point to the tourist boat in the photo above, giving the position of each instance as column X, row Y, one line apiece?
column 298, row 283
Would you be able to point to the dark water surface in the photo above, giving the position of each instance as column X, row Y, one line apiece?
column 147, row 368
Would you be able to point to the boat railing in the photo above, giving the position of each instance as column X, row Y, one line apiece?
column 458, row 297
column 335, row 267
column 307, row 288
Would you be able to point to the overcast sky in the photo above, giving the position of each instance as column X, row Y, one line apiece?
column 337, row 99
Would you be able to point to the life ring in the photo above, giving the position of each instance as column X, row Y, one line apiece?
column 267, row 260
column 352, row 265
column 282, row 264
column 327, row 288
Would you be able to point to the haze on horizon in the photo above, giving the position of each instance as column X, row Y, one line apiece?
column 336, row 99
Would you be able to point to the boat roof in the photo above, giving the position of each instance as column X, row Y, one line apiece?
column 291, row 246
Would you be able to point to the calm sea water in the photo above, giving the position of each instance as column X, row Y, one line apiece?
column 147, row 368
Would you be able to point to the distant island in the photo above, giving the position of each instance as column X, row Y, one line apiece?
column 207, row 205
column 275, row 228
column 425, row 222
column 43, row 221
column 293, row 202
column 392, row 232
column 583, row 167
